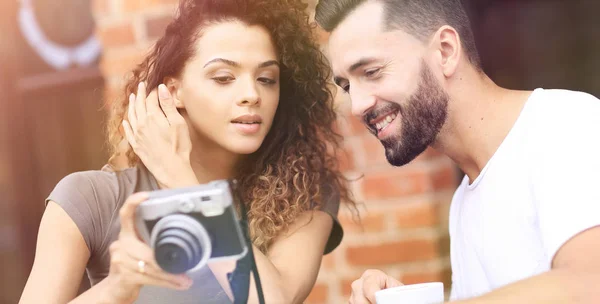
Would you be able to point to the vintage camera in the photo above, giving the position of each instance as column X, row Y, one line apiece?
column 189, row 227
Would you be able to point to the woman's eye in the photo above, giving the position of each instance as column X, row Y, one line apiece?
column 266, row 80
column 346, row 88
column 223, row 79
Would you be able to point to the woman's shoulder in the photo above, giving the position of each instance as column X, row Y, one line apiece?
column 95, row 185
column 92, row 198
column 88, row 179
column 107, row 184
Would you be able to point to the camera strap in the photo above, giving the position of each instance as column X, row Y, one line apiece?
column 239, row 279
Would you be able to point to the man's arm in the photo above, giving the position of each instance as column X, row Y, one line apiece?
column 567, row 201
column 574, row 277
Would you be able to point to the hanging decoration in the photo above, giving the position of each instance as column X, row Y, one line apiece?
column 58, row 56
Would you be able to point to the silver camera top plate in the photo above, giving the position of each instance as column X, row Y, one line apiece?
column 210, row 199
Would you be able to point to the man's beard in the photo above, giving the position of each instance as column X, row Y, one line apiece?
column 422, row 118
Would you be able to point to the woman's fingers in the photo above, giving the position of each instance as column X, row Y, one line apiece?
column 140, row 251
column 127, row 213
column 135, row 264
column 168, row 106
column 152, row 107
column 140, row 102
column 158, row 276
column 135, row 272
column 131, row 117
column 144, row 111
column 129, row 135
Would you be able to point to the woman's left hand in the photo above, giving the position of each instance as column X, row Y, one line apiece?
column 160, row 137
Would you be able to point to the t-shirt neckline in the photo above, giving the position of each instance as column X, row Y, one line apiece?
column 505, row 141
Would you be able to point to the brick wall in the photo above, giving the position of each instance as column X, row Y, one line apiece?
column 404, row 211
column 404, row 216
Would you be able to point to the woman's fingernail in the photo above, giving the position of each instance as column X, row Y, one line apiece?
column 163, row 92
column 131, row 97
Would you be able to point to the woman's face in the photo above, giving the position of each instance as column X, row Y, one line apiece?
column 230, row 88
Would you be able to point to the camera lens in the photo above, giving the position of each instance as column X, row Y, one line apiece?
column 180, row 243
column 177, row 250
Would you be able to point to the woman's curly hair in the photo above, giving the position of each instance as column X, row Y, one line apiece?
column 295, row 169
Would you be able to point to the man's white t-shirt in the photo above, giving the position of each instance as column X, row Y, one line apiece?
column 540, row 188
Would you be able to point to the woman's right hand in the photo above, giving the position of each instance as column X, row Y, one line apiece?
column 132, row 262
column 160, row 136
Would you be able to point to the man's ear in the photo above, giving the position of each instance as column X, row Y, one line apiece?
column 174, row 85
column 449, row 49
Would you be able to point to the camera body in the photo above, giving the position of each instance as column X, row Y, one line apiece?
column 191, row 226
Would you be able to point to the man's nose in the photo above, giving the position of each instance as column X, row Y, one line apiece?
column 362, row 101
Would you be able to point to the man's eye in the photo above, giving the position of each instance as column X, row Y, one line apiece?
column 372, row 72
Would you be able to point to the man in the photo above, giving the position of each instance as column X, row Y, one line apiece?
column 525, row 222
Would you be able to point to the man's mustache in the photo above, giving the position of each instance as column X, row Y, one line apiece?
column 377, row 111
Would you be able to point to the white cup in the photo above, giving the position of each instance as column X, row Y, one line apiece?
column 425, row 293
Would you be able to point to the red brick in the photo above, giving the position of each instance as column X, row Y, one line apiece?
column 443, row 275
column 373, row 151
column 328, row 262
column 319, row 294
column 396, row 182
column 117, row 35
column 444, row 177
column 346, row 286
column 141, row 5
column 370, row 222
column 421, row 277
column 346, row 159
column 155, row 27
column 416, row 215
column 120, row 64
column 391, row 253
column 357, row 127
column 445, row 244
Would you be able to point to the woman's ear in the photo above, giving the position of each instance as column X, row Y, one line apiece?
column 174, row 85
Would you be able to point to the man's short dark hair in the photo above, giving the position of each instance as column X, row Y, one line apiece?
column 419, row 18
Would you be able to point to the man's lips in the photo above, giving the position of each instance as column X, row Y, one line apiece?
column 381, row 122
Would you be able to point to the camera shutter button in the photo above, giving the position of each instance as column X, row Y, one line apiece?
column 186, row 206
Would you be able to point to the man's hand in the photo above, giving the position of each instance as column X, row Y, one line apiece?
column 372, row 280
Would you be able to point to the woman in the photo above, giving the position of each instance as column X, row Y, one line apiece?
column 243, row 94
